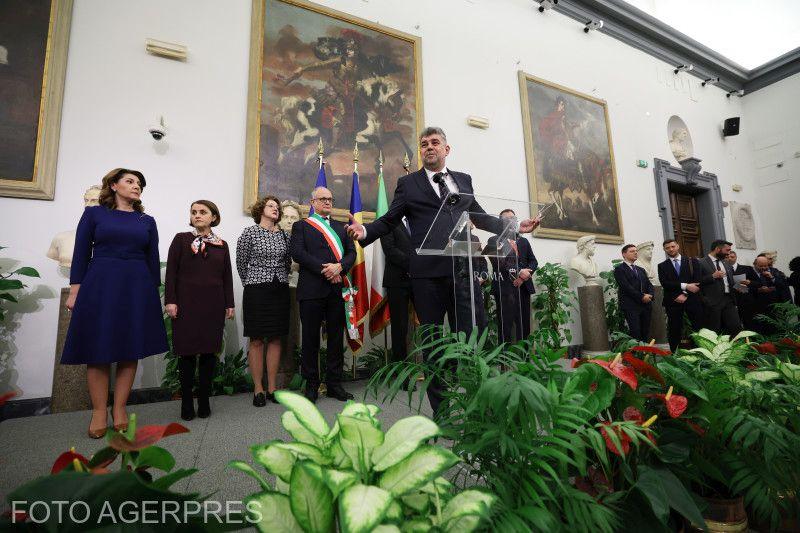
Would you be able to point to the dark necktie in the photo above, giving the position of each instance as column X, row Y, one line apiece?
column 438, row 179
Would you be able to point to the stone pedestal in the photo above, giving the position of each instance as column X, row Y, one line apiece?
column 70, row 391
column 593, row 320
column 658, row 318
column 289, row 344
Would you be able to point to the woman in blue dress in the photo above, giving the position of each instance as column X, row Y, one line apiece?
column 116, row 309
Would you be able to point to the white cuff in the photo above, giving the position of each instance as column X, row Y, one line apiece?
column 683, row 286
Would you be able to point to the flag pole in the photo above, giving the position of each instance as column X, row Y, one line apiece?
column 355, row 171
column 320, row 156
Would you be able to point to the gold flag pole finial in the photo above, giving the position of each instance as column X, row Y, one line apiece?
column 406, row 164
column 320, row 152
column 355, row 158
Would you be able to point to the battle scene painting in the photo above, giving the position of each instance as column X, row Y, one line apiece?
column 330, row 77
column 570, row 161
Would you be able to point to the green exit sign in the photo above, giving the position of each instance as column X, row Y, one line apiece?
column 641, row 163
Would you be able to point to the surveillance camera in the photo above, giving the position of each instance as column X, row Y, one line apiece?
column 682, row 68
column 545, row 5
column 592, row 25
column 710, row 81
column 738, row 93
column 158, row 132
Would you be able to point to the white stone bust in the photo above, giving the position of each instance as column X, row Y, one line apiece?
column 645, row 260
column 290, row 215
column 583, row 263
column 63, row 243
column 678, row 144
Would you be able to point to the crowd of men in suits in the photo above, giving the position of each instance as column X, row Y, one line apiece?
column 701, row 289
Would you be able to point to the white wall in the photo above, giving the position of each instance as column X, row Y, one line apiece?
column 771, row 125
column 471, row 51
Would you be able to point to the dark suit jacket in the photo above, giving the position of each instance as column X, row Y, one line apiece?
column 310, row 250
column 669, row 279
column 744, row 300
column 397, row 249
column 762, row 300
column 526, row 259
column 713, row 290
column 632, row 288
column 415, row 199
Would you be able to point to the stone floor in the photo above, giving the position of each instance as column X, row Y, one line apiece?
column 28, row 446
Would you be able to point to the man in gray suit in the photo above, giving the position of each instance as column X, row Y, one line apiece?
column 717, row 292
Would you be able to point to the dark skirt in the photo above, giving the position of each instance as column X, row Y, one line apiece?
column 266, row 310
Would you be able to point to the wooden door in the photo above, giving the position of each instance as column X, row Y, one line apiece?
column 686, row 224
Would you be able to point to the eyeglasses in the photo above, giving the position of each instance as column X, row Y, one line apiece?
column 325, row 200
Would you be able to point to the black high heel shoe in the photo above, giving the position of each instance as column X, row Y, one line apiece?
column 259, row 399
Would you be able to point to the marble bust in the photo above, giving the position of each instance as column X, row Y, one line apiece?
column 645, row 260
column 678, row 144
column 583, row 263
column 290, row 215
column 63, row 244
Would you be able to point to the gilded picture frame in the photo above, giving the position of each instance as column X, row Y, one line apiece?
column 30, row 129
column 570, row 161
column 317, row 73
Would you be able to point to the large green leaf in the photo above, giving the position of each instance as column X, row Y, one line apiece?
column 305, row 451
column 27, row 271
column 422, row 466
column 298, row 430
column 338, row 480
column 165, row 482
column 10, row 284
column 468, row 502
column 358, row 439
column 402, row 439
column 463, row 524
column 762, row 375
column 311, row 501
column 417, row 525
column 362, row 507
column 676, row 494
column 250, row 471
column 277, row 461
column 271, row 512
column 650, row 485
column 674, row 374
column 155, row 457
column 305, row 411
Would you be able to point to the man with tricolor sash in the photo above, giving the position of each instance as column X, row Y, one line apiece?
column 324, row 292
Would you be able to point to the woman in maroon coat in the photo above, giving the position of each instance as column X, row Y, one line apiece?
column 199, row 297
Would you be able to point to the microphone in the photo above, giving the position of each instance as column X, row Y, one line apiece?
column 454, row 197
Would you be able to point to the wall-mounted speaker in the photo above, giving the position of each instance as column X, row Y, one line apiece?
column 731, row 127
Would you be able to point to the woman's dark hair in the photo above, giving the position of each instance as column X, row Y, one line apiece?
column 107, row 195
column 257, row 209
column 211, row 207
column 794, row 264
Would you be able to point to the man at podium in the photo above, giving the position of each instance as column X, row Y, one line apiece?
column 419, row 197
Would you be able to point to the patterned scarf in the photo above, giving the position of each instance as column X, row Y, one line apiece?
column 200, row 241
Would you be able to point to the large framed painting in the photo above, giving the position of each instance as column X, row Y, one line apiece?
column 570, row 161
column 319, row 74
column 34, row 36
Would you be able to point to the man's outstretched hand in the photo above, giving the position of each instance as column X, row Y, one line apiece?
column 355, row 230
column 528, row 225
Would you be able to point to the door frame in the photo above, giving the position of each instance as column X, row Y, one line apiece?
column 704, row 186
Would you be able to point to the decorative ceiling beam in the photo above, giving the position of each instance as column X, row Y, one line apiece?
column 636, row 28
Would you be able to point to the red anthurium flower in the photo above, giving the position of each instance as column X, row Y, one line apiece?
column 70, row 458
column 145, row 436
column 642, row 367
column 789, row 342
column 632, row 414
column 594, row 482
column 675, row 403
column 651, row 349
column 766, row 348
column 618, row 370
column 624, row 439
column 7, row 396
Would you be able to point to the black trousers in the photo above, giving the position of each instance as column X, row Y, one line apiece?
column 675, row 315
column 638, row 319
column 399, row 298
column 722, row 316
column 436, row 297
column 513, row 312
column 312, row 313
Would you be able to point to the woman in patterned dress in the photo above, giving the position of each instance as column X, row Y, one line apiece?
column 263, row 261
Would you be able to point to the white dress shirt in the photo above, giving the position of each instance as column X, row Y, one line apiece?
column 722, row 268
column 679, row 259
column 448, row 179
